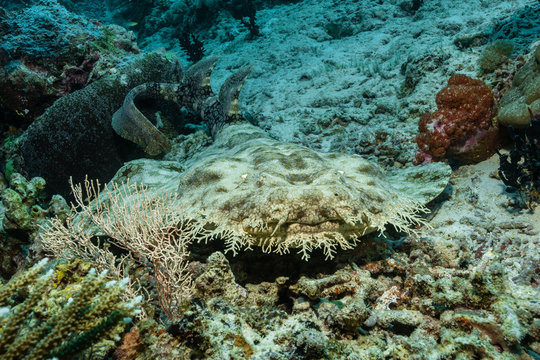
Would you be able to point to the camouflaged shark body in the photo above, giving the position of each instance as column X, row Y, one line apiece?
column 193, row 92
column 251, row 190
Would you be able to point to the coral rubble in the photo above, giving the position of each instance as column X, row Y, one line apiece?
column 398, row 307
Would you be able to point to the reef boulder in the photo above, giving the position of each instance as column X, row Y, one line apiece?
column 524, row 95
column 74, row 137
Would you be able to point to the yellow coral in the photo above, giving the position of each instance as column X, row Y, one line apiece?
column 30, row 330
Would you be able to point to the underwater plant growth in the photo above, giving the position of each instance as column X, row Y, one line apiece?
column 520, row 168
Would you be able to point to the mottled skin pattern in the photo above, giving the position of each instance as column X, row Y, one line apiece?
column 248, row 189
column 193, row 92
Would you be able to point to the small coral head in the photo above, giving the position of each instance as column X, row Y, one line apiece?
column 459, row 127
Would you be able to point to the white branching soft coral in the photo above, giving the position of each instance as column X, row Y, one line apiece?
column 147, row 225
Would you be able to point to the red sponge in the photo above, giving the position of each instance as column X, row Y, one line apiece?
column 461, row 127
